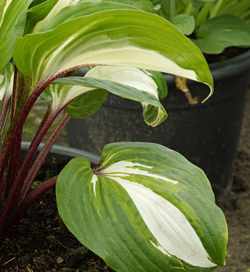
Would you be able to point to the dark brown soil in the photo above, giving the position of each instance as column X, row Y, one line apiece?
column 42, row 243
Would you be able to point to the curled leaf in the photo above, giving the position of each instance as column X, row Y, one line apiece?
column 127, row 82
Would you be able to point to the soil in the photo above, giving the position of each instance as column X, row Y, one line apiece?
column 42, row 242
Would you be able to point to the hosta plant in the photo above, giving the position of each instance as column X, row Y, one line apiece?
column 212, row 25
column 144, row 207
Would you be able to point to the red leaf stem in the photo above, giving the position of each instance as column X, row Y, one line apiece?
column 42, row 155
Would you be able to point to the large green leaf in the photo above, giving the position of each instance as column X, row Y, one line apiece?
column 220, row 32
column 116, row 37
column 12, row 23
column 127, row 82
column 144, row 208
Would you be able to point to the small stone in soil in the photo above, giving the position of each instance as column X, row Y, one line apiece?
column 77, row 255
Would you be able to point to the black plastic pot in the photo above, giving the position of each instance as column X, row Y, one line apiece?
column 206, row 134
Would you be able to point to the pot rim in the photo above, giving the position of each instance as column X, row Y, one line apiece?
column 68, row 152
column 234, row 65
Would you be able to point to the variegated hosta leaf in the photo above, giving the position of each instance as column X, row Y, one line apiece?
column 37, row 14
column 87, row 104
column 127, row 82
column 83, row 8
column 87, row 100
column 144, row 208
column 43, row 17
column 6, row 81
column 4, row 4
column 115, row 37
column 36, row 2
column 12, row 23
column 41, row 14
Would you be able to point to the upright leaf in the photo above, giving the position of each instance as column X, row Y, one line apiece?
column 69, row 12
column 41, row 14
column 38, row 13
column 144, row 208
column 12, row 23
